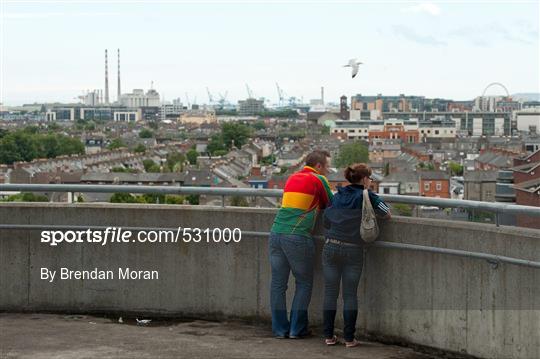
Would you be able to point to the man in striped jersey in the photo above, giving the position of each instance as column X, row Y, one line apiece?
column 291, row 244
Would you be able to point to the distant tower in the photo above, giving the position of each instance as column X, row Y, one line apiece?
column 322, row 95
column 343, row 107
column 119, row 93
column 106, row 79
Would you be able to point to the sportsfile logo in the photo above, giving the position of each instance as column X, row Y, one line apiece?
column 119, row 235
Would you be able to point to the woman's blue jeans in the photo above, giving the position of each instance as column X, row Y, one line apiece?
column 290, row 253
column 343, row 264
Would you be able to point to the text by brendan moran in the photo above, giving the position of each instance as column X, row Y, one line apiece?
column 97, row 274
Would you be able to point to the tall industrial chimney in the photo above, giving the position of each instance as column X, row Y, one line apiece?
column 119, row 93
column 106, row 80
column 322, row 94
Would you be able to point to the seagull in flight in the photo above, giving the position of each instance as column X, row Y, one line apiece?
column 353, row 64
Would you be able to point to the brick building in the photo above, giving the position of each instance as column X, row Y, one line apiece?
column 395, row 131
column 434, row 184
column 528, row 194
column 526, row 173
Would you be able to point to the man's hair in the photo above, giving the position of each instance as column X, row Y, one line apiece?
column 317, row 156
column 356, row 172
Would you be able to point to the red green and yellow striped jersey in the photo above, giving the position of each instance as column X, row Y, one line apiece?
column 305, row 193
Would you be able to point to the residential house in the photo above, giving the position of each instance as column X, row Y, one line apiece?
column 528, row 194
column 480, row 185
column 404, row 182
column 434, row 184
column 381, row 150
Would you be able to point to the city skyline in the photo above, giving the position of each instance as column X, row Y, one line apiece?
column 421, row 48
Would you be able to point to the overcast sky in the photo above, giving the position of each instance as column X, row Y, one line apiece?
column 53, row 50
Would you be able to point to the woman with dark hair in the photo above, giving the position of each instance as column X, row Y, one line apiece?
column 343, row 251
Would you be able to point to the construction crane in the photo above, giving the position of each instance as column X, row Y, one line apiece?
column 249, row 92
column 281, row 95
column 210, row 98
column 222, row 99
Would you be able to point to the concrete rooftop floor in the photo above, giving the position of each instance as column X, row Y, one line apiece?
column 83, row 336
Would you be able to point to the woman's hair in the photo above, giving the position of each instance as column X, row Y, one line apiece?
column 356, row 172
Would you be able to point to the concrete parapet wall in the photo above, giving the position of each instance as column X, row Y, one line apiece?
column 451, row 303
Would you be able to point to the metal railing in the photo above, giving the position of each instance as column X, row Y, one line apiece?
column 257, row 192
column 492, row 259
column 495, row 207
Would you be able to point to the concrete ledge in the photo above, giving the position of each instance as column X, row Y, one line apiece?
column 450, row 303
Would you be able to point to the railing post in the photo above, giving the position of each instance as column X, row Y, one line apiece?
column 497, row 218
column 222, row 200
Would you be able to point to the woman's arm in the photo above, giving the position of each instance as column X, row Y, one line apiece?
column 382, row 210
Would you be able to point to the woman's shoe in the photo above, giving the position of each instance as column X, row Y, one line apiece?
column 352, row 344
column 332, row 341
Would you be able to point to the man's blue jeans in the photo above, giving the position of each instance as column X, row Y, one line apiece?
column 341, row 264
column 290, row 253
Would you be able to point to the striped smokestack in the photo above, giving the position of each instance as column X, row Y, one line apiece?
column 106, row 79
column 119, row 93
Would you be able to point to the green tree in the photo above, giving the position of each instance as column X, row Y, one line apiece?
column 455, row 169
column 53, row 126
column 216, row 144
column 150, row 166
column 153, row 125
column 236, row 133
column 122, row 197
column 69, row 145
column 25, row 145
column 426, row 166
column 9, row 150
column 123, row 169
column 147, row 163
column 386, row 169
column 116, row 143
column 27, row 197
column 192, row 156
column 175, row 161
column 268, row 160
column 31, row 129
column 49, row 146
column 140, row 148
column 239, row 201
column 221, row 152
column 146, row 133
column 402, row 209
column 174, row 199
column 18, row 146
column 193, row 199
column 258, row 125
column 90, row 126
column 351, row 153
column 153, row 198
